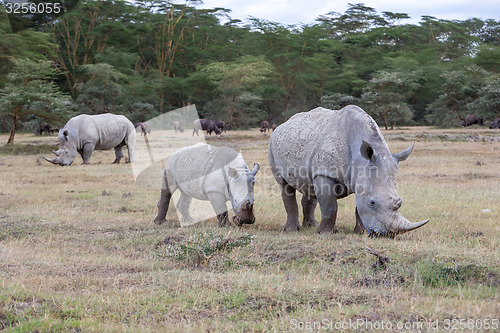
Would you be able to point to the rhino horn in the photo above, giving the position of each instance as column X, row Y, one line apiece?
column 256, row 168
column 52, row 160
column 57, row 152
column 403, row 225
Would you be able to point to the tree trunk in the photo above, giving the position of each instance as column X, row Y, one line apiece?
column 13, row 131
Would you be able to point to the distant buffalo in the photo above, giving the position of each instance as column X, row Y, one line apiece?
column 205, row 125
column 273, row 127
column 178, row 127
column 264, row 126
column 221, row 125
column 471, row 119
column 495, row 124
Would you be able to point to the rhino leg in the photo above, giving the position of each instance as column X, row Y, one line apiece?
column 118, row 154
column 183, row 206
column 163, row 204
column 223, row 219
column 308, row 206
column 218, row 202
column 359, row 228
column 292, row 210
column 86, row 152
column 325, row 191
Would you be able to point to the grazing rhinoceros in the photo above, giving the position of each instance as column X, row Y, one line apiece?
column 178, row 127
column 471, row 119
column 216, row 174
column 205, row 125
column 264, row 126
column 84, row 133
column 327, row 155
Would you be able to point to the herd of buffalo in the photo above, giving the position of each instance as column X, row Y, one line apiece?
column 324, row 154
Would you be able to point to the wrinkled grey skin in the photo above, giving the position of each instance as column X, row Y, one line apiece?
column 327, row 155
column 84, row 133
column 205, row 125
column 471, row 119
column 178, row 127
column 209, row 173
column 264, row 126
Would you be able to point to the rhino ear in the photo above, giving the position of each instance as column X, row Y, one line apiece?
column 65, row 133
column 232, row 172
column 403, row 155
column 367, row 152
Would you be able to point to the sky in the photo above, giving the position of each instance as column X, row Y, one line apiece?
column 295, row 11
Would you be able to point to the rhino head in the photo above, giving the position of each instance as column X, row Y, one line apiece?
column 377, row 201
column 240, row 189
column 67, row 150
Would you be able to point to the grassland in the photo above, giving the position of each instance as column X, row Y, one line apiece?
column 79, row 250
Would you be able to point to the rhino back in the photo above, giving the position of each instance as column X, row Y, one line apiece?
column 188, row 167
column 111, row 130
column 321, row 142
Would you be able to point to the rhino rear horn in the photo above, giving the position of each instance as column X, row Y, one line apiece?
column 403, row 155
column 56, row 152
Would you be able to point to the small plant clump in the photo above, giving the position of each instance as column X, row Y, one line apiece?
column 203, row 250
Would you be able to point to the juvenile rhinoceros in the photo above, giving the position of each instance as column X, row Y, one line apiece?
column 216, row 174
column 327, row 155
column 84, row 133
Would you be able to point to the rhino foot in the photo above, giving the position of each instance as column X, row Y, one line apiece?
column 309, row 223
column 327, row 229
column 291, row 228
column 159, row 221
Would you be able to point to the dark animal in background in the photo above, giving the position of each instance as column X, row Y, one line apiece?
column 221, row 125
column 178, row 127
column 471, row 119
column 205, row 125
column 44, row 128
column 327, row 155
column 85, row 133
column 273, row 127
column 495, row 124
column 264, row 126
column 143, row 127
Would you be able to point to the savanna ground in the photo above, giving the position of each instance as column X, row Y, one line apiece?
column 79, row 250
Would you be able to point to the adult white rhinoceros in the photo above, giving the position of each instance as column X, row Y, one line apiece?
column 85, row 133
column 216, row 174
column 327, row 155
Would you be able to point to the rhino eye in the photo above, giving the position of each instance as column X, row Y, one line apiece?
column 373, row 203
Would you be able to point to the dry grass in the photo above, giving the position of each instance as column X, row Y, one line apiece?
column 79, row 251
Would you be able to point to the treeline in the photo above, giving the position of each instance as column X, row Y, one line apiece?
column 149, row 57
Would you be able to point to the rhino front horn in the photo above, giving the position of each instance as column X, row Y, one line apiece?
column 52, row 160
column 404, row 225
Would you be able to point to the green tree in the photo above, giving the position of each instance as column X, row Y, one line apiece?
column 460, row 88
column 31, row 92
column 236, row 79
column 387, row 94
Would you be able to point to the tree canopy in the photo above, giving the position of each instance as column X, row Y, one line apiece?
column 143, row 58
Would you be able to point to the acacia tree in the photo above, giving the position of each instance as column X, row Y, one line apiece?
column 387, row 94
column 31, row 92
column 237, row 79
